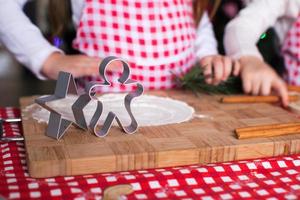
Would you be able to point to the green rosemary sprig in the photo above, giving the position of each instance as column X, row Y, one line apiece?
column 194, row 80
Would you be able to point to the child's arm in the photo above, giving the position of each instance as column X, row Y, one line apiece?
column 217, row 68
column 241, row 36
column 77, row 65
column 21, row 37
column 243, row 32
column 26, row 42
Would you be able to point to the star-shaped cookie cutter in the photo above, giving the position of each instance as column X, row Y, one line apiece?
column 57, row 125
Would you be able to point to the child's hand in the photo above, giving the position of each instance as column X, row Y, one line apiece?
column 259, row 78
column 77, row 65
column 218, row 68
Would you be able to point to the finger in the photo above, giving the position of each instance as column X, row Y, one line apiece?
column 280, row 87
column 237, row 68
column 227, row 68
column 256, row 85
column 247, row 85
column 218, row 70
column 90, row 67
column 207, row 69
column 205, row 61
column 266, row 88
column 90, row 71
column 208, row 73
column 95, row 62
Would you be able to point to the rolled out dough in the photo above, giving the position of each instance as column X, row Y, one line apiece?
column 149, row 110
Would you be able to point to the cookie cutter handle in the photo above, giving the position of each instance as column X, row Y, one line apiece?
column 9, row 139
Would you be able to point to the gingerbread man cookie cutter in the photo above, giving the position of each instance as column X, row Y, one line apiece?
column 65, row 85
column 84, row 99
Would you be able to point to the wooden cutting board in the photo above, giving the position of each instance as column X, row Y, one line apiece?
column 201, row 140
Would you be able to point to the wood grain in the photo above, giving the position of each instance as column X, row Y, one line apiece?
column 201, row 140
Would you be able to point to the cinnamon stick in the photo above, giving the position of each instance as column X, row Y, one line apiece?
column 268, row 130
column 293, row 88
column 256, row 99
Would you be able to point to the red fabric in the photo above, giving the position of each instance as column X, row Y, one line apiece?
column 155, row 37
column 291, row 52
column 269, row 178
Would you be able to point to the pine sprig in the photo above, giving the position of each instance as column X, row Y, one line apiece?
column 194, row 80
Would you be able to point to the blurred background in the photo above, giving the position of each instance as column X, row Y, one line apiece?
column 16, row 81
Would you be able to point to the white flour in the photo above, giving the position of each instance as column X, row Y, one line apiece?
column 148, row 110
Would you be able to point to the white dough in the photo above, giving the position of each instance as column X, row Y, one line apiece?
column 148, row 110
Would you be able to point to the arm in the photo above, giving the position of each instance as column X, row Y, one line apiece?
column 206, row 44
column 217, row 68
column 22, row 38
column 243, row 32
column 241, row 36
column 28, row 45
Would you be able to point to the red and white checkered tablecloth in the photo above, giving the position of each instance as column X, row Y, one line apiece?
column 269, row 178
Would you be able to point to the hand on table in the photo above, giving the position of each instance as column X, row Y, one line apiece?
column 77, row 65
column 218, row 68
column 260, row 79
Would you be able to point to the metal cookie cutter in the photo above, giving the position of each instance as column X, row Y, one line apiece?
column 57, row 125
column 9, row 139
column 65, row 85
column 84, row 99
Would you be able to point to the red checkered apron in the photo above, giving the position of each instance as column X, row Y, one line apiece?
column 155, row 37
column 291, row 52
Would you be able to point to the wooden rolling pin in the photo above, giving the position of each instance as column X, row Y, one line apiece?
column 256, row 99
column 268, row 130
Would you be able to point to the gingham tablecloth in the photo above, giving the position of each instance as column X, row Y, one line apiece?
column 269, row 178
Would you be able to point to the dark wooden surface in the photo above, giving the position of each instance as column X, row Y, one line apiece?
column 15, row 82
